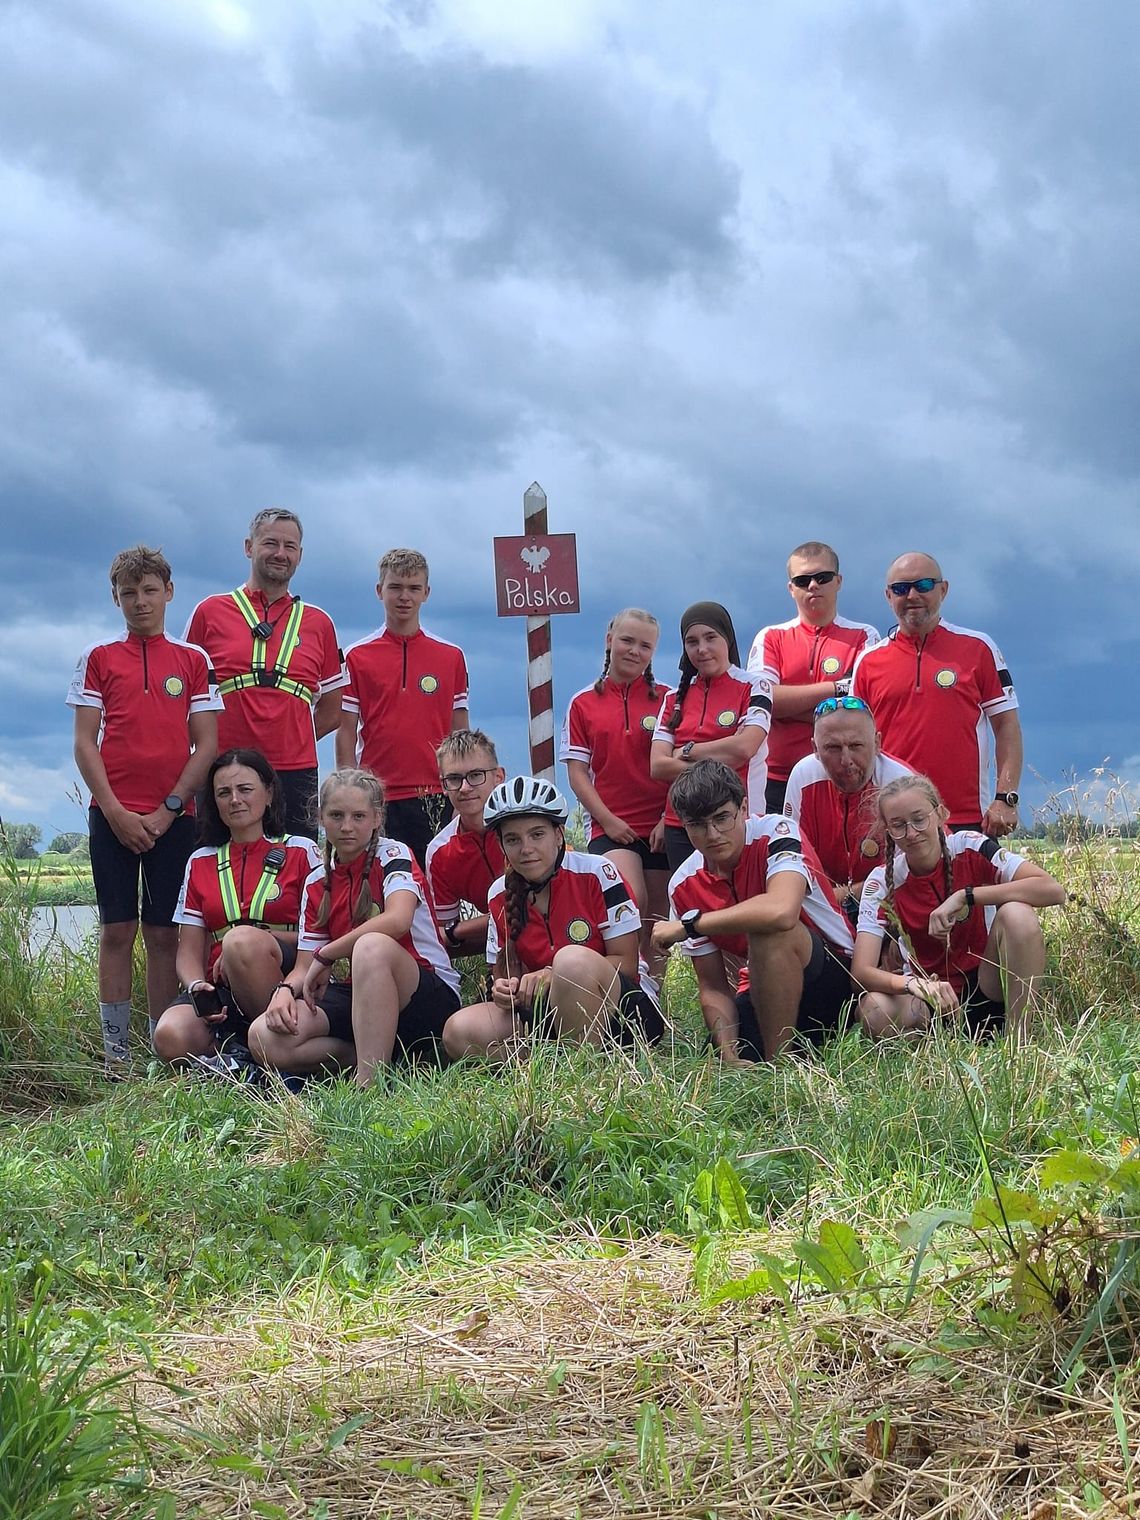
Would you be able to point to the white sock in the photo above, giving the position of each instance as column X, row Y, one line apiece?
column 115, row 1019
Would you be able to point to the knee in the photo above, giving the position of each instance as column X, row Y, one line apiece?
column 780, row 946
column 169, row 1035
column 373, row 952
column 244, row 946
column 118, row 939
column 576, row 964
column 876, row 1015
column 1018, row 924
column 459, row 1037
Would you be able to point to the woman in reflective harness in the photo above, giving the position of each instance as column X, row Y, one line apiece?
column 238, row 912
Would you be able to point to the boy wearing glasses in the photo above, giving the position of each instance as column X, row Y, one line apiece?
column 465, row 858
column 406, row 691
column 936, row 691
column 831, row 794
column 806, row 659
column 755, row 913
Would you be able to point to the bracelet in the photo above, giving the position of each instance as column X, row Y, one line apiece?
column 319, row 957
column 968, row 893
column 286, row 987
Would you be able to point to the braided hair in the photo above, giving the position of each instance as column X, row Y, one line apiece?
column 362, row 781
column 895, row 788
column 640, row 614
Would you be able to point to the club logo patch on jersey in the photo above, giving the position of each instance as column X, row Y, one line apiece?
column 726, row 718
column 274, row 892
column 577, row 931
column 625, row 911
column 608, row 871
column 830, row 665
column 869, row 848
column 872, row 888
column 946, row 679
column 174, row 686
column 428, row 684
column 649, row 723
column 782, row 828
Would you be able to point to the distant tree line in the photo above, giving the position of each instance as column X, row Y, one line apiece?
column 22, row 841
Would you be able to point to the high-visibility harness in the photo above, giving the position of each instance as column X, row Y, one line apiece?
column 231, row 902
column 260, row 673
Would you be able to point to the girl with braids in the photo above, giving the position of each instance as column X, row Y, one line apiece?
column 605, row 748
column 367, row 905
column 562, row 937
column 237, row 915
column 718, row 712
column 964, row 911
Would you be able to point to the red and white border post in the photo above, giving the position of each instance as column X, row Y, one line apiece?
column 536, row 576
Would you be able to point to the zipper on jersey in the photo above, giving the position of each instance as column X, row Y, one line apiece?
column 814, row 651
column 625, row 704
column 146, row 668
column 918, row 665
column 404, row 677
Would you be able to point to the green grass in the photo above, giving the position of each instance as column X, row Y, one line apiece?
column 847, row 1200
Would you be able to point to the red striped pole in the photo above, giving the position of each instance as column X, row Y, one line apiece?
column 539, row 666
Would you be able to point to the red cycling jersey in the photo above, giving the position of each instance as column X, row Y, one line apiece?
column 797, row 654
column 841, row 826
column 273, row 713
column 406, row 691
column 461, row 867
column 145, row 690
column 202, row 901
column 976, row 860
column 772, row 844
column 611, row 732
column 392, row 870
column 932, row 699
column 714, row 710
column 590, row 903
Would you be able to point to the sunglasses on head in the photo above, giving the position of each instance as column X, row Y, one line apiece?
column 820, row 577
column 840, row 704
column 924, row 583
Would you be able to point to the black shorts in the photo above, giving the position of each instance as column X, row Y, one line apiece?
column 415, row 821
column 774, row 794
column 636, row 1020
column 299, row 793
column 119, row 873
column 827, row 987
column 651, row 860
column 985, row 1016
column 237, row 1024
column 678, row 846
column 419, row 1033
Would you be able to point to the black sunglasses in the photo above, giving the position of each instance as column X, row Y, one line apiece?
column 903, row 588
column 820, row 577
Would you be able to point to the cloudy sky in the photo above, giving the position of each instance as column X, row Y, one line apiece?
column 721, row 277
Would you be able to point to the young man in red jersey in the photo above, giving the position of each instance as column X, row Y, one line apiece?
column 406, row 691
column 755, row 913
column 465, row 858
column 145, row 733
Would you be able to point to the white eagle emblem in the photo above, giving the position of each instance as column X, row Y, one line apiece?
column 534, row 557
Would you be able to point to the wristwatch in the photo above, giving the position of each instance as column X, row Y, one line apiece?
column 173, row 803
column 1011, row 799
column 687, row 749
column 689, row 923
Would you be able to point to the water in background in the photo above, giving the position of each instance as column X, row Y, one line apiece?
column 69, row 925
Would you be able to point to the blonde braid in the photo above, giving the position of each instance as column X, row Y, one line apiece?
column 322, row 918
column 362, row 908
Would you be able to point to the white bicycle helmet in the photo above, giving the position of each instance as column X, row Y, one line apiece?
column 524, row 797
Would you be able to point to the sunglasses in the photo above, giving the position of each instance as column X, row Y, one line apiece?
column 903, row 588
column 840, row 704
column 820, row 577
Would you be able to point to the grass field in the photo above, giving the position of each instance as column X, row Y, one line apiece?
column 883, row 1282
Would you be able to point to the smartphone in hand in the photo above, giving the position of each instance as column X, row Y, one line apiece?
column 206, row 1002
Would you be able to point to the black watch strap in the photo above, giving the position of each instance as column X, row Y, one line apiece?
column 1011, row 799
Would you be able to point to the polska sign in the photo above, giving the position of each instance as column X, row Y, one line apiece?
column 536, row 575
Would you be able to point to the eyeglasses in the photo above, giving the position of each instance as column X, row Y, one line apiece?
column 719, row 822
column 840, row 704
column 455, row 779
column 820, row 577
column 924, row 584
column 899, row 829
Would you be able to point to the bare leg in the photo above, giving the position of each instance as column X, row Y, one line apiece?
column 161, row 941
column 776, row 981
column 887, row 1013
column 384, row 980
column 483, row 1031
column 584, row 991
column 181, row 1033
column 629, row 864
column 310, row 1049
column 1014, row 960
column 116, row 945
column 251, row 964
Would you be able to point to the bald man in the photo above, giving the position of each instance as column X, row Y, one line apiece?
column 937, row 692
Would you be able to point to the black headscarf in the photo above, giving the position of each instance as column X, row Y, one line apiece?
column 713, row 615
